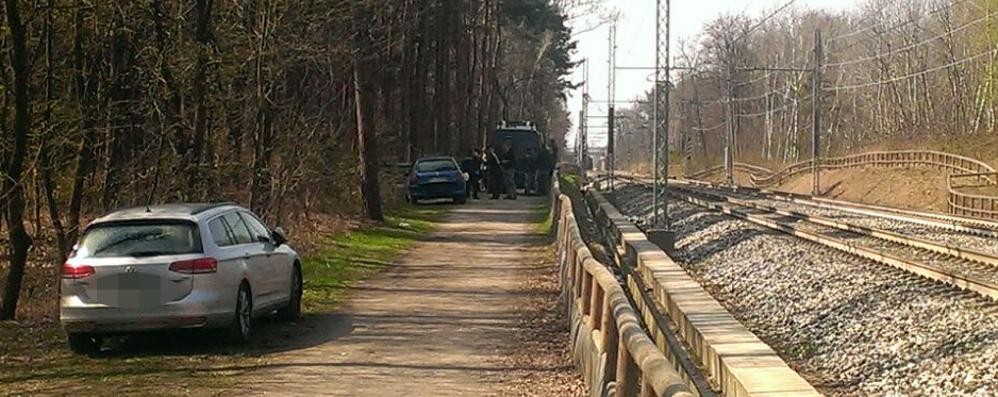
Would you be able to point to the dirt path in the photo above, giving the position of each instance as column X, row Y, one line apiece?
column 449, row 320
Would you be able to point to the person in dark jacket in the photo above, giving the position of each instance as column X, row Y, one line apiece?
column 493, row 172
column 473, row 167
column 529, row 166
column 545, row 168
column 508, row 160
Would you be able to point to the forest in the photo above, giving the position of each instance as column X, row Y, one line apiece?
column 295, row 109
column 894, row 74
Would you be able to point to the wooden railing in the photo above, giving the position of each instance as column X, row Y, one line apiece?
column 610, row 346
column 970, row 204
column 900, row 158
column 961, row 168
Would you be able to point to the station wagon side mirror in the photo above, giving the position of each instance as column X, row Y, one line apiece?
column 279, row 237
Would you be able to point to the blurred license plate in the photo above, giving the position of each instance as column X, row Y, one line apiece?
column 439, row 180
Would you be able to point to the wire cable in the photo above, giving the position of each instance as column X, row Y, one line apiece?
column 906, row 48
column 912, row 75
column 898, row 25
column 786, row 106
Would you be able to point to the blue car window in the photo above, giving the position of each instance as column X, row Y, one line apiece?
column 436, row 165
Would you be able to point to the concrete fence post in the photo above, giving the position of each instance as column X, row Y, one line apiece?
column 596, row 305
column 646, row 389
column 609, row 331
column 627, row 372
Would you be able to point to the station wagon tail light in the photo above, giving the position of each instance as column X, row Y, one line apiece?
column 72, row 271
column 413, row 179
column 195, row 266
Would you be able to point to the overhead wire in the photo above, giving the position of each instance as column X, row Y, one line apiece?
column 786, row 106
column 911, row 46
column 911, row 75
column 895, row 26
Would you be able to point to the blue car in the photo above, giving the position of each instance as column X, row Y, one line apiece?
column 437, row 178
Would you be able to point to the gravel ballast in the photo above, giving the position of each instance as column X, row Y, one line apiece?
column 852, row 327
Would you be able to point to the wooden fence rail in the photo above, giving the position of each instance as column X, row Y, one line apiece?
column 610, row 346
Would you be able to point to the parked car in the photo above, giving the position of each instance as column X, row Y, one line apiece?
column 437, row 178
column 176, row 266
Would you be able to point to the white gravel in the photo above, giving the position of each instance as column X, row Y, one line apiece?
column 850, row 326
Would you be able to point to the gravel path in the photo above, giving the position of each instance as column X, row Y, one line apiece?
column 469, row 311
column 850, row 326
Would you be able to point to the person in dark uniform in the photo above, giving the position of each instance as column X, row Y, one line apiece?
column 554, row 154
column 545, row 168
column 473, row 166
column 508, row 161
column 493, row 172
column 529, row 166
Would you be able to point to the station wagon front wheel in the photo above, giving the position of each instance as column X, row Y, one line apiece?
column 292, row 311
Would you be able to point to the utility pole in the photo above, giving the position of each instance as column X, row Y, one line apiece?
column 610, row 145
column 729, row 137
column 611, row 160
column 816, row 116
column 686, row 133
column 583, row 120
column 660, row 232
column 580, row 146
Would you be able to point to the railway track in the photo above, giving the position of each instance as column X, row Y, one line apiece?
column 912, row 244
column 956, row 239
column 954, row 223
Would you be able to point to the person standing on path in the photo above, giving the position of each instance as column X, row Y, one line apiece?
column 530, row 173
column 508, row 159
column 545, row 169
column 494, row 173
column 473, row 166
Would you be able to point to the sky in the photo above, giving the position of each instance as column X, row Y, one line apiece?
column 636, row 45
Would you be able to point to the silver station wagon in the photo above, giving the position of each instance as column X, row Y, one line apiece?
column 176, row 266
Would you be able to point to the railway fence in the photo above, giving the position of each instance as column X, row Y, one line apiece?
column 689, row 343
column 610, row 346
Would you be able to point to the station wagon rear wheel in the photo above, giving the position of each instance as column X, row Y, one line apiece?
column 241, row 327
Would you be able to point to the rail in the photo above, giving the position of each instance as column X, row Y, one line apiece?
column 803, row 226
column 961, row 168
column 744, row 167
column 610, row 346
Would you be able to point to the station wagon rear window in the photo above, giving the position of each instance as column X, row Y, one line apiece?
column 138, row 239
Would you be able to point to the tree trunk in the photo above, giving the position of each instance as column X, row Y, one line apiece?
column 365, row 66
column 263, row 145
column 84, row 85
column 20, row 241
column 203, row 37
column 46, row 146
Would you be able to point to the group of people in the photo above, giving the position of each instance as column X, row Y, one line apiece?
column 497, row 169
